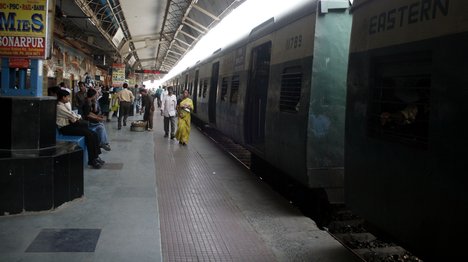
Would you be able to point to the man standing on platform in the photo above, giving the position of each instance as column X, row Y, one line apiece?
column 169, row 111
column 126, row 98
column 147, row 104
column 158, row 95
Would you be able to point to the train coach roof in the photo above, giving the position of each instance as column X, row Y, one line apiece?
column 270, row 25
column 263, row 29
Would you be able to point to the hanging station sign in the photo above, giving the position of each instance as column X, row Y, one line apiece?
column 154, row 72
column 23, row 28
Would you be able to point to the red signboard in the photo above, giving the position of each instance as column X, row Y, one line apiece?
column 19, row 63
column 156, row 72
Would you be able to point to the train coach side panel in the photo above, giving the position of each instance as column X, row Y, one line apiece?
column 203, row 92
column 325, row 142
column 406, row 136
column 288, row 97
column 230, row 106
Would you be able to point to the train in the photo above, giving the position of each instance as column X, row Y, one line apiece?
column 364, row 102
column 405, row 149
column 280, row 92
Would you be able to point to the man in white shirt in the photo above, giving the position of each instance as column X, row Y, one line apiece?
column 126, row 98
column 169, row 111
column 68, row 124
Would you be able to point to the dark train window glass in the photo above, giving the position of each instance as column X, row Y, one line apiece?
column 205, row 87
column 200, row 88
column 399, row 99
column 290, row 95
column 234, row 89
column 224, row 88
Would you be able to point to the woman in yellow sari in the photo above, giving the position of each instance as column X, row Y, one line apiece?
column 183, row 125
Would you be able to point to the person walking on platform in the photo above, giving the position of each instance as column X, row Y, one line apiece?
column 147, row 104
column 104, row 102
column 113, row 106
column 169, row 111
column 69, row 123
column 126, row 98
column 137, row 95
column 164, row 93
column 183, row 125
column 158, row 95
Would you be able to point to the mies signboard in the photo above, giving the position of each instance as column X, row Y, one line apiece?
column 23, row 28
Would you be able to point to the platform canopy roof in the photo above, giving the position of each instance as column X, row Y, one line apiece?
column 144, row 34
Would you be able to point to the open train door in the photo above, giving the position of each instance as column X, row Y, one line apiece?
column 213, row 92
column 256, row 98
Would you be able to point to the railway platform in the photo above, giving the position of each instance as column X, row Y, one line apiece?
column 156, row 200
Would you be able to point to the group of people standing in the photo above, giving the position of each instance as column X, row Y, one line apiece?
column 174, row 110
column 87, row 120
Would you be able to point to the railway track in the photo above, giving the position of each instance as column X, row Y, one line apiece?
column 347, row 228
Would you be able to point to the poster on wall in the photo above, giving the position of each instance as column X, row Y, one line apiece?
column 118, row 75
column 131, row 80
column 23, row 28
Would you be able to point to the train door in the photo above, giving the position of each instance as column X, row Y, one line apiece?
column 256, row 98
column 195, row 92
column 213, row 92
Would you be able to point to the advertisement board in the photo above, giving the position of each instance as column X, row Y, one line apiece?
column 118, row 75
column 23, row 28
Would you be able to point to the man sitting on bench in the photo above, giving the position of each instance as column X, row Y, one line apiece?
column 91, row 112
column 70, row 123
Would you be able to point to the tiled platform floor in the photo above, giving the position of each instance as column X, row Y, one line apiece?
column 199, row 221
column 212, row 209
column 116, row 220
column 155, row 200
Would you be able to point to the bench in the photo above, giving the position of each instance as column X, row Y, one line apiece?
column 80, row 140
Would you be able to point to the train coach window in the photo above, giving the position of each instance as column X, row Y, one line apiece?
column 291, row 83
column 234, row 89
column 190, row 87
column 224, row 88
column 205, row 87
column 200, row 88
column 399, row 99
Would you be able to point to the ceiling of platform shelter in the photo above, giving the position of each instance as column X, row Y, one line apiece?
column 144, row 34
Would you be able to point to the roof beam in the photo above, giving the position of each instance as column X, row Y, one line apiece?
column 194, row 24
column 179, row 47
column 143, row 38
column 182, row 41
column 205, row 12
column 187, row 34
column 174, row 52
column 83, row 4
column 147, row 60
